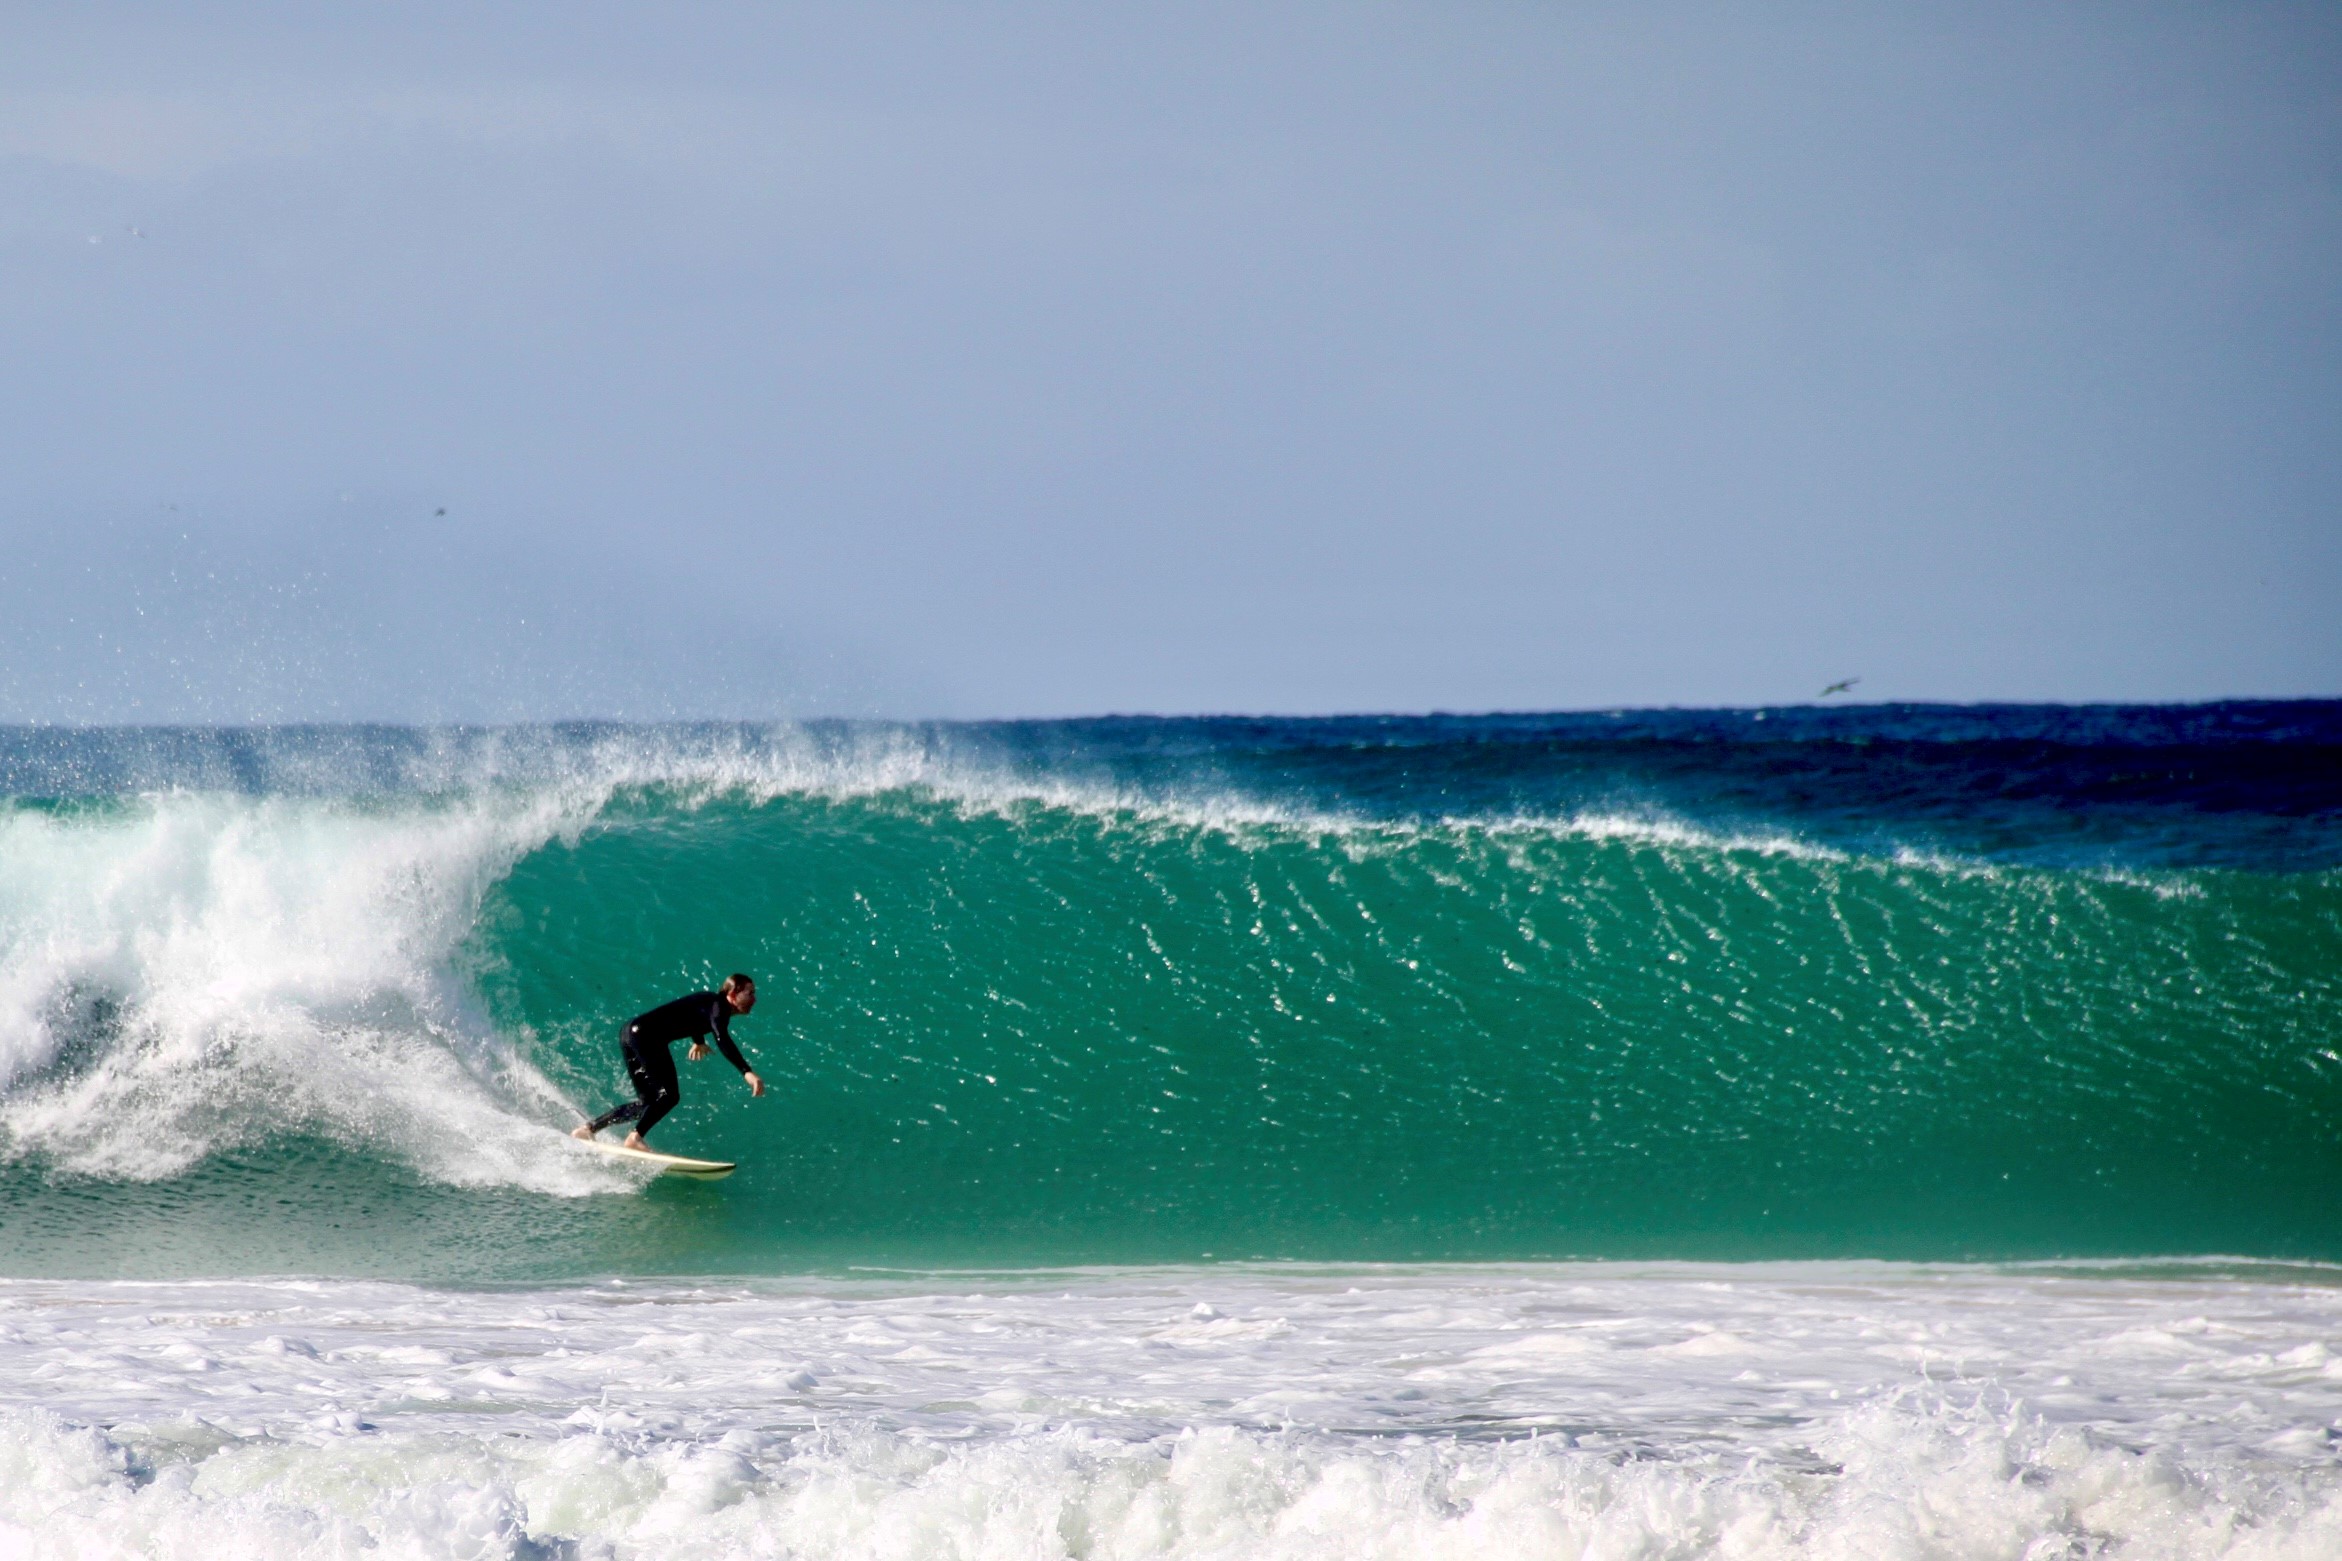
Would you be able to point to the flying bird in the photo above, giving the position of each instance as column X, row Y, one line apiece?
column 1843, row 685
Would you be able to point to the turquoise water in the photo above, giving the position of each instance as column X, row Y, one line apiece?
column 1169, row 994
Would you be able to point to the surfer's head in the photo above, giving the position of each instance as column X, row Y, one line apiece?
column 740, row 992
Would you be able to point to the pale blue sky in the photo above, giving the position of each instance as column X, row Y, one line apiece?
column 1028, row 359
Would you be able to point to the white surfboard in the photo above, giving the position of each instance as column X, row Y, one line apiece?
column 668, row 1164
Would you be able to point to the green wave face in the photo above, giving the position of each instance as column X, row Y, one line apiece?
column 1035, row 1033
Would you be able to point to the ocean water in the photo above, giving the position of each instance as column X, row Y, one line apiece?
column 1880, row 1131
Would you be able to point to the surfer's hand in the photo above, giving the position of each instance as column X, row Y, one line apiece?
column 755, row 1084
column 698, row 1050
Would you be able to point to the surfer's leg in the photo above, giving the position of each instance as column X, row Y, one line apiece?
column 625, row 1113
column 646, row 1085
column 654, row 1079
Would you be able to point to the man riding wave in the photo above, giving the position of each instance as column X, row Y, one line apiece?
column 647, row 1045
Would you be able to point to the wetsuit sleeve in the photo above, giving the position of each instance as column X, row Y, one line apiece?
column 721, row 1018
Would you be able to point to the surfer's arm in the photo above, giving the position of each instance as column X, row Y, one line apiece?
column 719, row 1022
column 755, row 1084
column 732, row 1056
column 730, row 1051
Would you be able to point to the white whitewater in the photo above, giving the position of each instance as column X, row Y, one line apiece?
column 1594, row 1413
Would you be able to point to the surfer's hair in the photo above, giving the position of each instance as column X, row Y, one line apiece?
column 739, row 982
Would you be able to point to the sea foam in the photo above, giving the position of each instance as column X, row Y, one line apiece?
column 1864, row 1411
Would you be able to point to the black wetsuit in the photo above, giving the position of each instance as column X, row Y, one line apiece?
column 645, row 1042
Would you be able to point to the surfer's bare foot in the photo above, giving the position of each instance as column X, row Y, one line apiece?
column 582, row 1131
column 634, row 1141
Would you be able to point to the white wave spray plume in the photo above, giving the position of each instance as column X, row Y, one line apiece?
column 183, row 974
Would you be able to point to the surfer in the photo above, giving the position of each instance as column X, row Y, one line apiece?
column 647, row 1042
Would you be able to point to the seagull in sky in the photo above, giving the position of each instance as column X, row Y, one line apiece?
column 1843, row 685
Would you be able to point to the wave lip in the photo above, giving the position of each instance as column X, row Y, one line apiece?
column 2242, row 784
